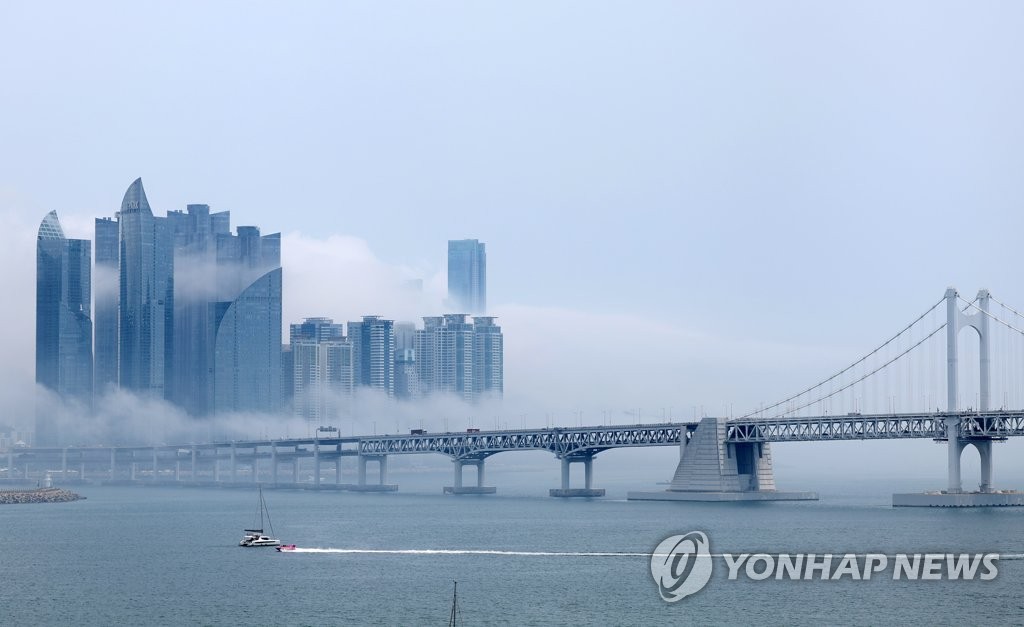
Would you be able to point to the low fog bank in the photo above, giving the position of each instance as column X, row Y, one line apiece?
column 563, row 367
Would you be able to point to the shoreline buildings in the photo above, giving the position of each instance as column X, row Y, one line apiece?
column 63, row 321
column 449, row 355
column 198, row 309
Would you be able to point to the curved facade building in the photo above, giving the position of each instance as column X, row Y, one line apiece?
column 63, row 323
column 146, row 303
column 247, row 353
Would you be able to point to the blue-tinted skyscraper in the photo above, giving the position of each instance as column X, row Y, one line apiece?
column 105, row 295
column 467, row 276
column 63, row 322
column 247, row 358
column 146, row 303
column 227, row 307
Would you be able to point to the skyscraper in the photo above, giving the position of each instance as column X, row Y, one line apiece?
column 197, row 308
column 146, row 296
column 63, row 323
column 488, row 358
column 105, row 295
column 467, row 276
column 212, row 269
column 373, row 353
column 247, row 349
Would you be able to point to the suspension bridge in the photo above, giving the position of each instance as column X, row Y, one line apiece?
column 895, row 391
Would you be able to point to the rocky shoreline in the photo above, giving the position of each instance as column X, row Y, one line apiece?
column 41, row 495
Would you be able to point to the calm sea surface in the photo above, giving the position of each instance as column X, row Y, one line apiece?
column 169, row 556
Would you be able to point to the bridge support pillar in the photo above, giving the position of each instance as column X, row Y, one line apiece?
column 255, row 465
column 64, row 464
column 113, row 463
column 316, row 465
column 985, row 451
column 234, row 464
column 81, row 471
column 273, row 462
column 177, row 470
column 588, row 471
column 195, row 458
column 337, row 471
column 459, row 488
column 382, row 469
column 155, row 467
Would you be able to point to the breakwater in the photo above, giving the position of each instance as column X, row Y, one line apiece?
column 41, row 495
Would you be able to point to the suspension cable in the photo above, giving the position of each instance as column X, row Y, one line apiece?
column 1005, row 306
column 852, row 383
column 848, row 368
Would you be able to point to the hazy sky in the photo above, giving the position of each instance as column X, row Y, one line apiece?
column 684, row 203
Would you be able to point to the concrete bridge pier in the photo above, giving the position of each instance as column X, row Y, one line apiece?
column 194, row 455
column 234, row 464
column 382, row 467
column 479, row 488
column 316, row 465
column 588, row 473
column 273, row 463
column 113, row 464
column 713, row 469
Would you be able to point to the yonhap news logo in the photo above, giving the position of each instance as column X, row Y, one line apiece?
column 681, row 566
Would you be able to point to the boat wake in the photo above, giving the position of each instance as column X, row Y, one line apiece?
column 1002, row 556
column 469, row 552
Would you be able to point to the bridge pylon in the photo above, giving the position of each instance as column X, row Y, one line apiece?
column 714, row 469
column 956, row 320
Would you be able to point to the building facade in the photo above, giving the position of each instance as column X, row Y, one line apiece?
column 323, row 370
column 105, row 295
column 63, row 321
column 146, row 296
column 458, row 357
column 467, row 276
column 373, row 353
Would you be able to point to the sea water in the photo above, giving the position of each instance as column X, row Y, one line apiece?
column 170, row 556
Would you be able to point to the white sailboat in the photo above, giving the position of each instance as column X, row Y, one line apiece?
column 256, row 537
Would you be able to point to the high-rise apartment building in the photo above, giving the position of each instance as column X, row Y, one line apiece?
column 373, row 353
column 316, row 330
column 488, row 358
column 455, row 356
column 63, row 321
column 323, row 369
column 467, row 276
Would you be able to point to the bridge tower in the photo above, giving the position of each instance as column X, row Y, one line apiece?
column 956, row 320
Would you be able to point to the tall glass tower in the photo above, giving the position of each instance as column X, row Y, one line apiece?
column 105, row 281
column 467, row 276
column 63, row 323
column 146, row 297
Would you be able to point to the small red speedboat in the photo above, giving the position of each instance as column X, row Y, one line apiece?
column 286, row 547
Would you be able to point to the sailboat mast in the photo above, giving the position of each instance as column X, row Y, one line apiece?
column 455, row 605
